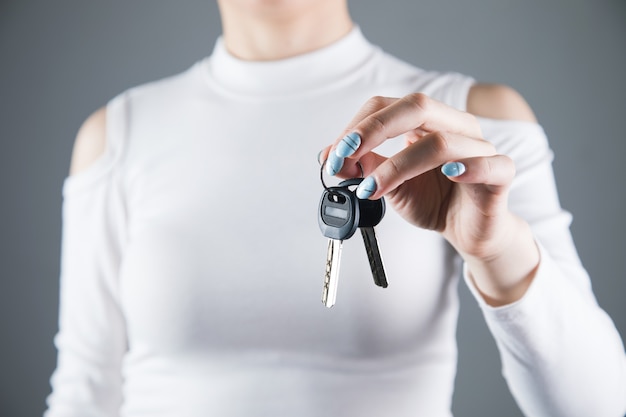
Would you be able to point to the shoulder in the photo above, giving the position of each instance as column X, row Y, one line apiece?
column 90, row 141
column 154, row 98
column 497, row 101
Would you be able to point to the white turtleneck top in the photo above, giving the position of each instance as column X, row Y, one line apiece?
column 192, row 262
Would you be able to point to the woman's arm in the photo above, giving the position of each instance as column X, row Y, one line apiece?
column 561, row 354
column 91, row 340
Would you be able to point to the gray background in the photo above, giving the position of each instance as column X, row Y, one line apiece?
column 60, row 60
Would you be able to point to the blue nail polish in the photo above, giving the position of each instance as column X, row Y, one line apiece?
column 333, row 164
column 348, row 145
column 366, row 188
column 453, row 169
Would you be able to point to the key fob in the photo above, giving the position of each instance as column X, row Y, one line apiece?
column 338, row 213
column 341, row 212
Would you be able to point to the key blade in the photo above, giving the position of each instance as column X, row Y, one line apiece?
column 331, row 277
column 373, row 255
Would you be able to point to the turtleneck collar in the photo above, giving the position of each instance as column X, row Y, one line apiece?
column 291, row 76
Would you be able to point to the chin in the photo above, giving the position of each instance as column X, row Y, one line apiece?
column 276, row 8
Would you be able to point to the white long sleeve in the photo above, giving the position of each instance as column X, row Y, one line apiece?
column 92, row 335
column 561, row 353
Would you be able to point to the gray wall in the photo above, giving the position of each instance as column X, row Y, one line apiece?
column 61, row 60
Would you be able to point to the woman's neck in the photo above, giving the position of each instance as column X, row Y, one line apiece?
column 264, row 32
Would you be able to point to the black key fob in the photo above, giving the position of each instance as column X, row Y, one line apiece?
column 338, row 213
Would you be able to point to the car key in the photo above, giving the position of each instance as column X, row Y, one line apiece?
column 338, row 218
column 371, row 212
column 373, row 255
column 331, row 276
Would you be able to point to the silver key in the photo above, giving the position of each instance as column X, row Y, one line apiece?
column 331, row 277
column 338, row 220
column 373, row 255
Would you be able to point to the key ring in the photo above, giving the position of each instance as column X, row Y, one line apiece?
column 322, row 174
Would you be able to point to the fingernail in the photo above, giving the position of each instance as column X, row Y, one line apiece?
column 366, row 188
column 348, row 145
column 333, row 164
column 453, row 169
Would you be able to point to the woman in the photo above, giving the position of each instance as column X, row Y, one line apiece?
column 192, row 261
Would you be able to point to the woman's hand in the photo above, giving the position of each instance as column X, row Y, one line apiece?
column 448, row 179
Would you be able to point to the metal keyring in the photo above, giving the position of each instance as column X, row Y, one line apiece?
column 322, row 173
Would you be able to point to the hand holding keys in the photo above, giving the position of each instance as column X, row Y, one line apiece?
column 340, row 213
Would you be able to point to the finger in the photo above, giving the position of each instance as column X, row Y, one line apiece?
column 348, row 142
column 415, row 112
column 357, row 169
column 485, row 180
column 495, row 171
column 370, row 107
column 428, row 153
column 353, row 168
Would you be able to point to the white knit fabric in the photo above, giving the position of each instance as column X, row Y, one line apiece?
column 192, row 261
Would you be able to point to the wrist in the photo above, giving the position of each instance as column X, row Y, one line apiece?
column 503, row 275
